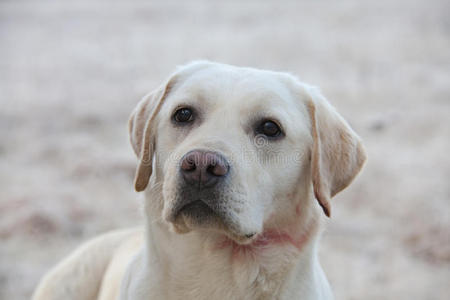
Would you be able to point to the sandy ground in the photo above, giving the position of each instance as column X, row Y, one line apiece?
column 71, row 72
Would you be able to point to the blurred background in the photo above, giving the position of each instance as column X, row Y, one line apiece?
column 72, row 71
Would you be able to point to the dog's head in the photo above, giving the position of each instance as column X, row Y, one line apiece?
column 230, row 149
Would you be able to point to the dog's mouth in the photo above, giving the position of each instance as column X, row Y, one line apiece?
column 197, row 210
column 198, row 214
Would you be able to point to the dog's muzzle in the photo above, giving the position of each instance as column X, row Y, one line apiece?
column 202, row 177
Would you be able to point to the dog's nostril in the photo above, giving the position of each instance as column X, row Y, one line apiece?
column 218, row 169
column 188, row 165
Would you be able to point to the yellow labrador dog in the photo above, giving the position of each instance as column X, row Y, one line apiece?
column 237, row 166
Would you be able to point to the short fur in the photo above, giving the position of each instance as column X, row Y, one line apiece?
column 263, row 245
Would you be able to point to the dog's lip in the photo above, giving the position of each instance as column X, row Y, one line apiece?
column 186, row 206
column 196, row 204
column 226, row 228
column 183, row 217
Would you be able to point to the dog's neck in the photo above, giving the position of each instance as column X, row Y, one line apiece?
column 201, row 265
column 270, row 238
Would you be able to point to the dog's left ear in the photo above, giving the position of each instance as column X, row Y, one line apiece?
column 337, row 154
column 142, row 132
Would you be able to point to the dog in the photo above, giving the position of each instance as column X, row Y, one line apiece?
column 237, row 167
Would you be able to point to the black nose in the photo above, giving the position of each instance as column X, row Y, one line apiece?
column 203, row 168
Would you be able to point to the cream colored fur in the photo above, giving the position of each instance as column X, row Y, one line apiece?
column 271, row 193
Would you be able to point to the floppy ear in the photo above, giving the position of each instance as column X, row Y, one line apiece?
column 142, row 133
column 337, row 154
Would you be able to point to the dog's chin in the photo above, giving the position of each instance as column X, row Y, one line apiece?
column 197, row 216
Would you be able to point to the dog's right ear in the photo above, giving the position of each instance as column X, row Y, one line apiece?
column 142, row 132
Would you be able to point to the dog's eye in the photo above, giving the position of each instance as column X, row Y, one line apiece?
column 183, row 115
column 269, row 128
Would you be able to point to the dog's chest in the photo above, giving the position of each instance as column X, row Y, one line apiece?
column 228, row 277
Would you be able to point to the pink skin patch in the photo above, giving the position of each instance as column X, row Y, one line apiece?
column 268, row 239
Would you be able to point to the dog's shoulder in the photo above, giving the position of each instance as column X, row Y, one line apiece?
column 80, row 275
column 120, row 262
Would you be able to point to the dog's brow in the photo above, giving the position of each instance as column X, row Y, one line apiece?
column 189, row 99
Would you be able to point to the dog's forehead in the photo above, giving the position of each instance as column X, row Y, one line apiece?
column 234, row 86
